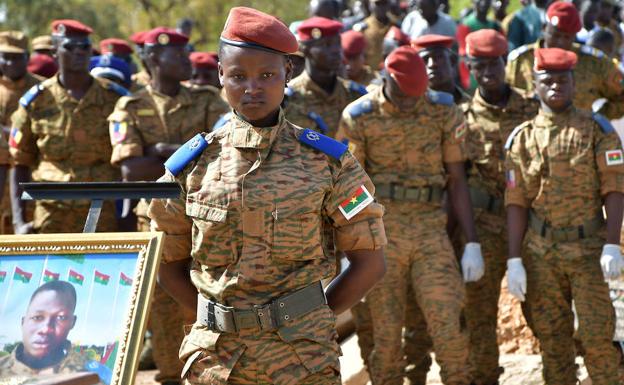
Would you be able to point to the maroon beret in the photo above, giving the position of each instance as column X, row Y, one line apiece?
column 486, row 42
column 395, row 33
column 250, row 28
column 564, row 16
column 408, row 69
column 432, row 41
column 115, row 46
column 317, row 27
column 554, row 59
column 138, row 38
column 353, row 43
column 203, row 60
column 42, row 65
column 164, row 36
column 67, row 27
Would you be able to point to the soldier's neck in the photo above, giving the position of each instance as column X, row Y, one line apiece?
column 165, row 86
column 324, row 79
column 76, row 83
column 41, row 363
column 496, row 97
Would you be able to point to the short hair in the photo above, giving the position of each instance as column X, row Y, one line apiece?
column 600, row 36
column 60, row 287
column 184, row 23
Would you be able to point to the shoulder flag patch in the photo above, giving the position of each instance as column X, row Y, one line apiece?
column 604, row 123
column 116, row 88
column 117, row 131
column 323, row 143
column 357, row 87
column 511, row 136
column 320, row 123
column 30, row 95
column 513, row 55
column 360, row 108
column 222, row 121
column 15, row 137
column 614, row 157
column 185, row 154
column 356, row 203
column 439, row 97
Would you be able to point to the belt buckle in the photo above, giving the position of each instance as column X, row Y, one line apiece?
column 265, row 316
column 210, row 316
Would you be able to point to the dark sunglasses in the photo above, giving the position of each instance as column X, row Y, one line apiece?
column 84, row 45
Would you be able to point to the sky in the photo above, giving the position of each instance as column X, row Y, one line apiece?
column 98, row 322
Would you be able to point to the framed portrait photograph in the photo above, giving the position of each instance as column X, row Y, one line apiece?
column 72, row 303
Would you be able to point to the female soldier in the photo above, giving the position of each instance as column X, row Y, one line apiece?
column 264, row 207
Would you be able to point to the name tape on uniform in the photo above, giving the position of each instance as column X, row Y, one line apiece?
column 358, row 202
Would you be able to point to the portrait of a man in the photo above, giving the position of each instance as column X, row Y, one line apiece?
column 45, row 348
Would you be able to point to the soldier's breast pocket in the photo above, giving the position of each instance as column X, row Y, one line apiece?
column 212, row 233
column 296, row 232
column 51, row 138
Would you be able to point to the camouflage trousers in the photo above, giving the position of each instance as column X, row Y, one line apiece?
column 69, row 217
column 303, row 352
column 557, row 274
column 419, row 254
column 364, row 329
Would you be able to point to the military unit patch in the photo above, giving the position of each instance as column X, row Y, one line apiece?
column 15, row 137
column 460, row 131
column 614, row 157
column 118, row 131
column 510, row 176
column 356, row 203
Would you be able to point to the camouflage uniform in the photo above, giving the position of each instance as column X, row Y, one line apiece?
column 141, row 120
column 404, row 153
column 259, row 206
column 66, row 140
column 558, row 167
column 141, row 78
column 367, row 76
column 596, row 77
column 308, row 105
column 10, row 92
column 374, row 32
column 12, row 368
column 488, row 129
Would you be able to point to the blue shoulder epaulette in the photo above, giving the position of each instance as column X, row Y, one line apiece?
column 105, row 374
column 604, row 123
column 186, row 153
column 360, row 26
column 323, row 143
column 440, row 97
column 30, row 95
column 360, row 108
column 116, row 88
column 511, row 136
column 222, row 121
column 289, row 92
column 319, row 121
column 588, row 50
column 513, row 55
column 357, row 87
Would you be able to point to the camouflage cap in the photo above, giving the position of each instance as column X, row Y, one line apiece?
column 13, row 42
column 42, row 42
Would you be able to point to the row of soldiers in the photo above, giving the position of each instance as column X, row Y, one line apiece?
column 420, row 138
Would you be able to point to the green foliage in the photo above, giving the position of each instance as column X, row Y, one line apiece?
column 120, row 18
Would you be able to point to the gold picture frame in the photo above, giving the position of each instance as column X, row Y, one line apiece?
column 93, row 265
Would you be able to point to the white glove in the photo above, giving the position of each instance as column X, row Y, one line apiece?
column 472, row 262
column 611, row 261
column 516, row 278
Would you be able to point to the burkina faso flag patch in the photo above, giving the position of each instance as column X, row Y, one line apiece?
column 356, row 203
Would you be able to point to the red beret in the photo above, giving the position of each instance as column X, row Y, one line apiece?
column 317, row 27
column 432, row 41
column 554, row 59
column 66, row 27
column 164, row 36
column 203, row 60
column 250, row 28
column 138, row 38
column 564, row 16
column 115, row 46
column 486, row 42
column 407, row 68
column 42, row 65
column 395, row 33
column 353, row 43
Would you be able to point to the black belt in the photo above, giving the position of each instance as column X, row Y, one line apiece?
column 565, row 234
column 271, row 316
column 482, row 200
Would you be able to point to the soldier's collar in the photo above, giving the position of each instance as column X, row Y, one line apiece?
column 555, row 119
column 244, row 135
column 311, row 86
column 183, row 97
column 390, row 108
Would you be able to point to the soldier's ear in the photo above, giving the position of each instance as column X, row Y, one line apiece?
column 289, row 69
column 220, row 69
column 74, row 323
